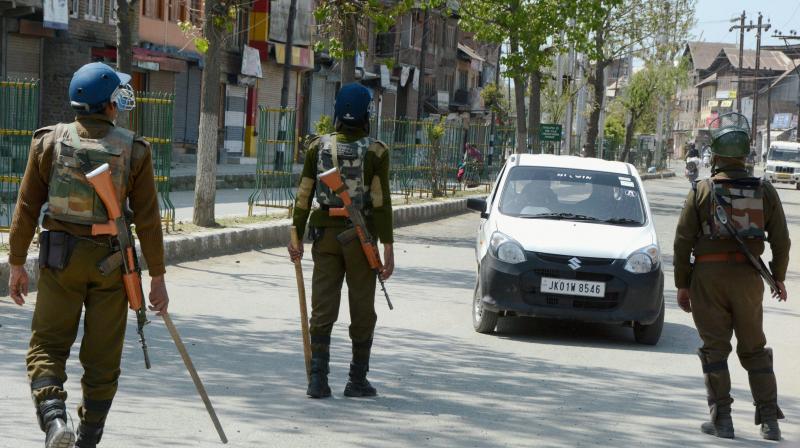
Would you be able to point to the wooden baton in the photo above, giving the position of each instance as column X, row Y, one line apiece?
column 176, row 338
column 301, row 292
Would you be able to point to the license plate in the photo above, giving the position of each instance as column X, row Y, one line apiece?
column 783, row 175
column 573, row 287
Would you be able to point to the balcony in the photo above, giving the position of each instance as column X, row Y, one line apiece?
column 19, row 8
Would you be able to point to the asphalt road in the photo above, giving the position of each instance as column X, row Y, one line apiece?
column 535, row 383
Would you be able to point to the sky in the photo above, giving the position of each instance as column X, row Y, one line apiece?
column 713, row 20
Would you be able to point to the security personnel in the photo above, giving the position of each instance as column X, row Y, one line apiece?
column 722, row 290
column 364, row 166
column 71, row 280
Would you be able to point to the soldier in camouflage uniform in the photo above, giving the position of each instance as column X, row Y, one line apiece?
column 77, row 272
column 722, row 290
column 364, row 166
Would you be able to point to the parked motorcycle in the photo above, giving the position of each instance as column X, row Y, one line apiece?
column 692, row 170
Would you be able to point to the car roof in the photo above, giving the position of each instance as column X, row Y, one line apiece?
column 581, row 163
column 785, row 145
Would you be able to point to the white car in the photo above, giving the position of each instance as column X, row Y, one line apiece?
column 783, row 163
column 568, row 238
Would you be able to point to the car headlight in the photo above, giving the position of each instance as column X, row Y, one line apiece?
column 506, row 249
column 770, row 168
column 644, row 260
column 797, row 171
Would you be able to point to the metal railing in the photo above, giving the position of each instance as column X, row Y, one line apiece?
column 152, row 120
column 19, row 117
column 275, row 156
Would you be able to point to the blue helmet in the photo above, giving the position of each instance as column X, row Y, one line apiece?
column 352, row 105
column 95, row 85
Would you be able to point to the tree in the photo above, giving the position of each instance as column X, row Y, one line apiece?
column 127, row 13
column 338, row 20
column 210, row 40
column 535, row 31
column 616, row 29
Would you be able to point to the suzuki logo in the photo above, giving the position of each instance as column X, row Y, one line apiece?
column 575, row 263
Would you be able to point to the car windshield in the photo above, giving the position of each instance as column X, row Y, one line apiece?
column 784, row 155
column 565, row 193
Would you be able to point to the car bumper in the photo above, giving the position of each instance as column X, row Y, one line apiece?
column 785, row 178
column 515, row 290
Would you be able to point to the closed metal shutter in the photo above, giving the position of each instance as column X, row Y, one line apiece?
column 162, row 82
column 269, row 87
column 235, row 107
column 179, row 117
column 193, row 105
column 23, row 60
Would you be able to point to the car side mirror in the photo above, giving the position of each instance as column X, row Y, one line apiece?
column 478, row 205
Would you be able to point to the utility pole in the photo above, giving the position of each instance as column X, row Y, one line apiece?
column 741, row 28
column 570, row 106
column 786, row 38
column 760, row 27
column 421, row 67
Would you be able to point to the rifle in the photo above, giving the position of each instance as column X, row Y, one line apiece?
column 333, row 180
column 757, row 262
column 118, row 229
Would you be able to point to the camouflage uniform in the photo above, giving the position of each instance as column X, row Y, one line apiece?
column 726, row 291
column 54, row 176
column 364, row 165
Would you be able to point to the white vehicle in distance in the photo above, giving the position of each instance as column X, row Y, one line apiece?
column 783, row 163
column 568, row 238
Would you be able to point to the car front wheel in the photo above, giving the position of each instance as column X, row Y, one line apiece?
column 650, row 334
column 483, row 320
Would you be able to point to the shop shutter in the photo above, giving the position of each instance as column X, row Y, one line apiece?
column 235, row 107
column 269, row 87
column 193, row 105
column 23, row 60
column 161, row 82
column 179, row 115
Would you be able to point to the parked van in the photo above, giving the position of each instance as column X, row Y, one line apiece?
column 783, row 163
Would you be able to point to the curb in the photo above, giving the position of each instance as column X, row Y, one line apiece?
column 215, row 243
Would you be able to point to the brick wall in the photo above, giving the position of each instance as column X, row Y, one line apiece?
column 66, row 53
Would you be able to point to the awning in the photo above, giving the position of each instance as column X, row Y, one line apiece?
column 470, row 52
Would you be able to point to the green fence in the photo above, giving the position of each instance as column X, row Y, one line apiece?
column 152, row 119
column 19, row 116
column 275, row 156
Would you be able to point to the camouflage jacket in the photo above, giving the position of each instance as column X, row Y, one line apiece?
column 376, row 189
column 142, row 196
column 690, row 238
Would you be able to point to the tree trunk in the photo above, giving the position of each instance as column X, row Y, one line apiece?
column 598, row 82
column 207, row 146
column 350, row 46
column 126, row 19
column 628, row 139
column 535, row 111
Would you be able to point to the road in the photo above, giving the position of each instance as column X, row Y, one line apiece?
column 535, row 383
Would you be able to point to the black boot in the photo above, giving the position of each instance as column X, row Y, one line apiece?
column 318, row 386
column 718, row 389
column 764, row 387
column 767, row 415
column 52, row 415
column 358, row 385
column 89, row 435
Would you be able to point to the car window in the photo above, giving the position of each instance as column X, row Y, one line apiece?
column 784, row 155
column 563, row 193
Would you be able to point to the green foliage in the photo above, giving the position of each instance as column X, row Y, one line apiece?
column 614, row 128
column 436, row 131
column 324, row 125
column 332, row 16
column 201, row 43
column 495, row 100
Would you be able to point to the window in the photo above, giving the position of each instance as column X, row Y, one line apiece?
column 462, row 79
column 196, row 13
column 74, row 8
column 95, row 10
column 153, row 9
